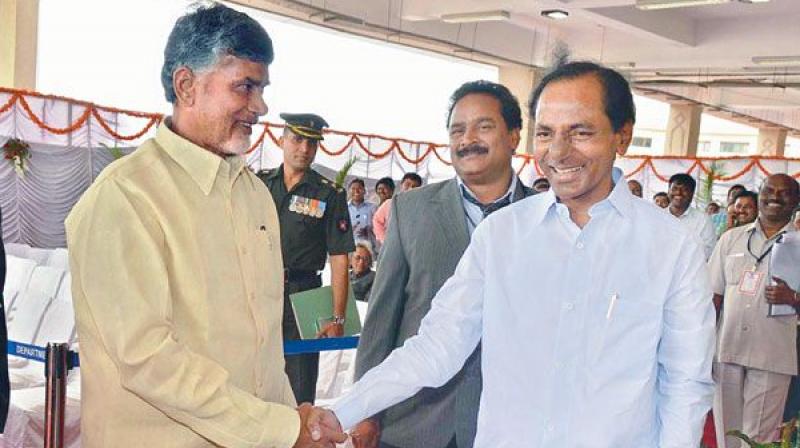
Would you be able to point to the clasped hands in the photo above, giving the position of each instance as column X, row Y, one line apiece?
column 318, row 428
column 321, row 428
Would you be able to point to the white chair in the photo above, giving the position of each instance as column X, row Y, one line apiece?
column 26, row 314
column 40, row 256
column 59, row 258
column 8, row 299
column 65, row 290
column 28, row 311
column 18, row 273
column 57, row 324
column 46, row 280
column 17, row 249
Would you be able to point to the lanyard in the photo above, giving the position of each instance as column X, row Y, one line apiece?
column 759, row 259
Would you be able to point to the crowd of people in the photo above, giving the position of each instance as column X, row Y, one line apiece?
column 573, row 313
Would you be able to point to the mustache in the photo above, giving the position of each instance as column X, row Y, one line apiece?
column 474, row 148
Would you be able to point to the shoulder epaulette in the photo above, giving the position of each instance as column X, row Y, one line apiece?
column 325, row 181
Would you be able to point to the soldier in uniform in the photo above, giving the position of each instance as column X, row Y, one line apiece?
column 314, row 224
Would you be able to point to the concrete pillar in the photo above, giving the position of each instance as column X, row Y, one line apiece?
column 683, row 130
column 19, row 22
column 771, row 142
column 521, row 81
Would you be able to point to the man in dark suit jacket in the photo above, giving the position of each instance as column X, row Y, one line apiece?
column 4, row 386
column 429, row 230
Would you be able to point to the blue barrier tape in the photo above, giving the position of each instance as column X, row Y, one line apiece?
column 35, row 353
column 319, row 345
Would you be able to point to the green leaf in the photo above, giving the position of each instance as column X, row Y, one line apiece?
column 342, row 174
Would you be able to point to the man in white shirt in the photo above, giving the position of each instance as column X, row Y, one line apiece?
column 592, row 306
column 681, row 193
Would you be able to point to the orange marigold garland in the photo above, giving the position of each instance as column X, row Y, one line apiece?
column 17, row 151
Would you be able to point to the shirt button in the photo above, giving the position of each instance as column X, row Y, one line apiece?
column 569, row 306
column 745, row 328
column 579, row 245
column 550, row 428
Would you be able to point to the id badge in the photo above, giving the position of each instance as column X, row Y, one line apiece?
column 751, row 280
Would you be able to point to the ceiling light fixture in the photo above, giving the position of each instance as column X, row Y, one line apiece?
column 555, row 14
column 776, row 60
column 482, row 16
column 666, row 4
column 753, row 1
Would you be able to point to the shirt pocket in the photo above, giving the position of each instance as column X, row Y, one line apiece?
column 267, row 259
column 630, row 327
column 735, row 265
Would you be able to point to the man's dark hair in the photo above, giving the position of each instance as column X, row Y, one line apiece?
column 541, row 180
column 413, row 176
column 736, row 187
column 201, row 37
column 387, row 181
column 659, row 194
column 357, row 181
column 683, row 179
column 732, row 190
column 617, row 99
column 747, row 194
column 509, row 105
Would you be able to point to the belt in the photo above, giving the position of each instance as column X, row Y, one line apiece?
column 299, row 275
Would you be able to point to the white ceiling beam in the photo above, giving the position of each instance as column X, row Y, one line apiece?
column 670, row 27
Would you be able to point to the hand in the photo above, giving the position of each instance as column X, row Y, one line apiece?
column 780, row 294
column 318, row 428
column 366, row 434
column 331, row 330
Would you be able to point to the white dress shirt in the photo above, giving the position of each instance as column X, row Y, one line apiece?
column 699, row 223
column 600, row 337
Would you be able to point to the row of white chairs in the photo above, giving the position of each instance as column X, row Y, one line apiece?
column 38, row 303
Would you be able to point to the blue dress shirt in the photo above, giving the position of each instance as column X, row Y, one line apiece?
column 600, row 337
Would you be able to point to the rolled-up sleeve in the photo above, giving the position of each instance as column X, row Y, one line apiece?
column 117, row 251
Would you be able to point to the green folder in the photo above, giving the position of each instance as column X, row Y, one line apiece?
column 313, row 306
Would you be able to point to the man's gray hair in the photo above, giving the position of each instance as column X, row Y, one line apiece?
column 210, row 31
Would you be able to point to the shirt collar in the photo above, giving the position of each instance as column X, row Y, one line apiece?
column 756, row 225
column 200, row 164
column 620, row 198
column 464, row 189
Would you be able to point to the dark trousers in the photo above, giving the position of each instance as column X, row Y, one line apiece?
column 302, row 370
column 452, row 444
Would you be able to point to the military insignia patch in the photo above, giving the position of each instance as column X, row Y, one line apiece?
column 343, row 225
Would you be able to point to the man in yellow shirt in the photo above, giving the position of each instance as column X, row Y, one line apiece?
column 176, row 262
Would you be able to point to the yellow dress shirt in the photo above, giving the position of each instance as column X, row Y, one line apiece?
column 178, row 295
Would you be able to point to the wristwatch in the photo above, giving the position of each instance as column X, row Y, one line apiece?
column 338, row 320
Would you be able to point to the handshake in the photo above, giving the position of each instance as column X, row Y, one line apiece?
column 318, row 428
column 321, row 428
